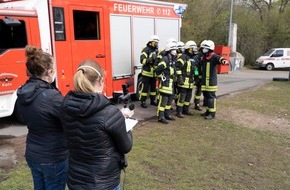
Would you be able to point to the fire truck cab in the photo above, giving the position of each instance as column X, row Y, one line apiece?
column 111, row 32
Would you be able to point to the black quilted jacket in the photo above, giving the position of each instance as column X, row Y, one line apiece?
column 39, row 103
column 97, row 141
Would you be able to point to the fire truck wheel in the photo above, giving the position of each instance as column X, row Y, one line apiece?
column 139, row 83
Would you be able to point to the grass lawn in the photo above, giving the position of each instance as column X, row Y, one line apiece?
column 193, row 153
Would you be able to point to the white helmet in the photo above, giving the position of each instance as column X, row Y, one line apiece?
column 171, row 40
column 191, row 44
column 180, row 45
column 207, row 44
column 170, row 46
column 154, row 38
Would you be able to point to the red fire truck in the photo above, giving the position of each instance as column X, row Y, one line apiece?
column 111, row 32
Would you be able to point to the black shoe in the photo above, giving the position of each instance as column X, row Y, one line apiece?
column 187, row 113
column 163, row 120
column 153, row 103
column 209, row 116
column 198, row 108
column 205, row 113
column 143, row 105
column 169, row 117
column 179, row 114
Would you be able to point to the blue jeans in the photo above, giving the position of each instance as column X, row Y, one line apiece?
column 117, row 188
column 48, row 176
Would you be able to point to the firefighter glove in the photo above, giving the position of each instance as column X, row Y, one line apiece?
column 180, row 80
column 152, row 58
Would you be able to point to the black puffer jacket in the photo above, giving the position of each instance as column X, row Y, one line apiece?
column 39, row 103
column 97, row 136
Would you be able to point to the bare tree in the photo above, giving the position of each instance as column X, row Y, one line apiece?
column 283, row 4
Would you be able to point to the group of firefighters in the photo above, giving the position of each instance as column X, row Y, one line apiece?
column 178, row 68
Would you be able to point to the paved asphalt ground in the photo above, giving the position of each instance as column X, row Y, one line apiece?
column 227, row 83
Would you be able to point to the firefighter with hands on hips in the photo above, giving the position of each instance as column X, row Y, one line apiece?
column 186, row 70
column 147, row 59
column 166, row 68
column 209, row 61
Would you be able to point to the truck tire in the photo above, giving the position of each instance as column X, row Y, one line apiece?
column 269, row 66
column 137, row 94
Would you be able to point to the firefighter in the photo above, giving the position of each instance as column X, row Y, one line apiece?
column 147, row 59
column 185, row 70
column 180, row 49
column 197, row 79
column 209, row 61
column 161, row 54
column 166, row 68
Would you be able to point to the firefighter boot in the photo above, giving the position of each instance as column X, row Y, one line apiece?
column 179, row 112
column 186, row 111
column 210, row 116
column 197, row 107
column 205, row 113
column 152, row 102
column 161, row 118
column 143, row 104
column 168, row 116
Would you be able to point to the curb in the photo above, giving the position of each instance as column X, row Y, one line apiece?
column 280, row 79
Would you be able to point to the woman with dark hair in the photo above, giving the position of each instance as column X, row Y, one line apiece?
column 39, row 103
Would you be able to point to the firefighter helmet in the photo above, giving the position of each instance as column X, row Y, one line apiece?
column 154, row 38
column 170, row 46
column 207, row 44
column 191, row 44
column 180, row 45
column 171, row 40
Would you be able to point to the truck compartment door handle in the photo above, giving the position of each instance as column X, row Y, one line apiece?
column 100, row 56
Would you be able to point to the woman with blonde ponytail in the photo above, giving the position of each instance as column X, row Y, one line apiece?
column 96, row 132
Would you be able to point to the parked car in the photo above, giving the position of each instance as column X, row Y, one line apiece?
column 274, row 58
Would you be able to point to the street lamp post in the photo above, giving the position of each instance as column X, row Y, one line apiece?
column 230, row 25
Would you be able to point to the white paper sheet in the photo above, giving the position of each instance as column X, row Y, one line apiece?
column 130, row 123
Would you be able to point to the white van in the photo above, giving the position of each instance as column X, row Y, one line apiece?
column 274, row 58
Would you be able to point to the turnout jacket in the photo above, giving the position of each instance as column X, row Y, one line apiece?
column 39, row 103
column 197, row 58
column 97, row 140
column 209, row 71
column 147, row 59
column 186, row 69
column 166, row 68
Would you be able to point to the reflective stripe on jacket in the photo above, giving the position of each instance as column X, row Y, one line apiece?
column 209, row 71
column 147, row 60
column 185, row 67
column 167, row 70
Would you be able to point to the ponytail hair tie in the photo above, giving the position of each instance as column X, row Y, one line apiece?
column 83, row 71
